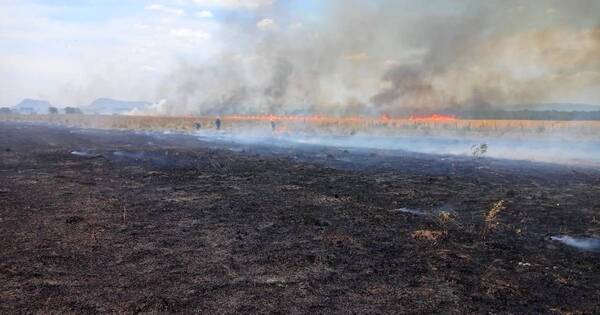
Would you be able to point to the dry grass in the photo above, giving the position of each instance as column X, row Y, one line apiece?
column 491, row 218
column 446, row 219
column 324, row 124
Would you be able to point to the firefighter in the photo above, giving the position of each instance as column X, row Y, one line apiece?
column 218, row 123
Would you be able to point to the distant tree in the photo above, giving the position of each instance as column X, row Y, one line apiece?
column 527, row 114
column 5, row 110
column 73, row 111
column 52, row 110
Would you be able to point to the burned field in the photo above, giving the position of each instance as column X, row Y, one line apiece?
column 112, row 221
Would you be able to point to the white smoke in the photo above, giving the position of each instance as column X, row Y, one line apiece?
column 375, row 57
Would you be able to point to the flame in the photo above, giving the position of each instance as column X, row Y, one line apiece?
column 384, row 118
column 433, row 118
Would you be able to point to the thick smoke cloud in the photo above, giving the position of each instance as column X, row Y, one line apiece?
column 364, row 57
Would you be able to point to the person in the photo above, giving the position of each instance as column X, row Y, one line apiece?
column 218, row 123
column 273, row 126
column 198, row 125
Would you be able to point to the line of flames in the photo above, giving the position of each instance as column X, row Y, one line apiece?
column 333, row 119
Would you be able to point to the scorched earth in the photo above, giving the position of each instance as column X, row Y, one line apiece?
column 111, row 221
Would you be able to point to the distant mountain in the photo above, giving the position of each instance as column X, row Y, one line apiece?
column 561, row 107
column 107, row 106
column 31, row 106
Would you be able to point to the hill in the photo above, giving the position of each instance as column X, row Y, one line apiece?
column 32, row 106
column 108, row 106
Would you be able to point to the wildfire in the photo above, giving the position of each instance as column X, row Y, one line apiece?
column 294, row 118
column 433, row 118
column 384, row 118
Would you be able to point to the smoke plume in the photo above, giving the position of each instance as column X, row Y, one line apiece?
column 363, row 57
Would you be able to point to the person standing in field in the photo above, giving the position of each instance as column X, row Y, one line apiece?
column 218, row 123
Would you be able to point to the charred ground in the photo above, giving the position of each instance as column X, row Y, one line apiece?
column 168, row 223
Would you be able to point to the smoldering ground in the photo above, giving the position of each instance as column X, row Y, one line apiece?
column 541, row 149
column 175, row 225
column 370, row 57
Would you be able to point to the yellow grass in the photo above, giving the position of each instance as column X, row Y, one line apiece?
column 491, row 217
column 329, row 124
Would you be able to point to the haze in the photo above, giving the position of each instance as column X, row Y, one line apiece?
column 266, row 56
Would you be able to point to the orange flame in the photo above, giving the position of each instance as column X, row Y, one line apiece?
column 384, row 118
column 433, row 118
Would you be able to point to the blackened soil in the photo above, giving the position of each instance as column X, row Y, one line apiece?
column 170, row 224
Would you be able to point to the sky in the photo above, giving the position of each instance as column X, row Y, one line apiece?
column 73, row 51
column 211, row 56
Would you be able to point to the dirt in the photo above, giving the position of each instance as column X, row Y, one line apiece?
column 137, row 222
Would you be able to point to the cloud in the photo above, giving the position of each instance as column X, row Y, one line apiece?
column 165, row 9
column 149, row 68
column 142, row 26
column 204, row 14
column 189, row 34
column 266, row 24
column 232, row 4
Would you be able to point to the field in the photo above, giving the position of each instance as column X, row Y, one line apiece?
column 331, row 125
column 109, row 221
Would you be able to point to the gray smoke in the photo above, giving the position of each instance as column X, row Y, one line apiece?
column 365, row 57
